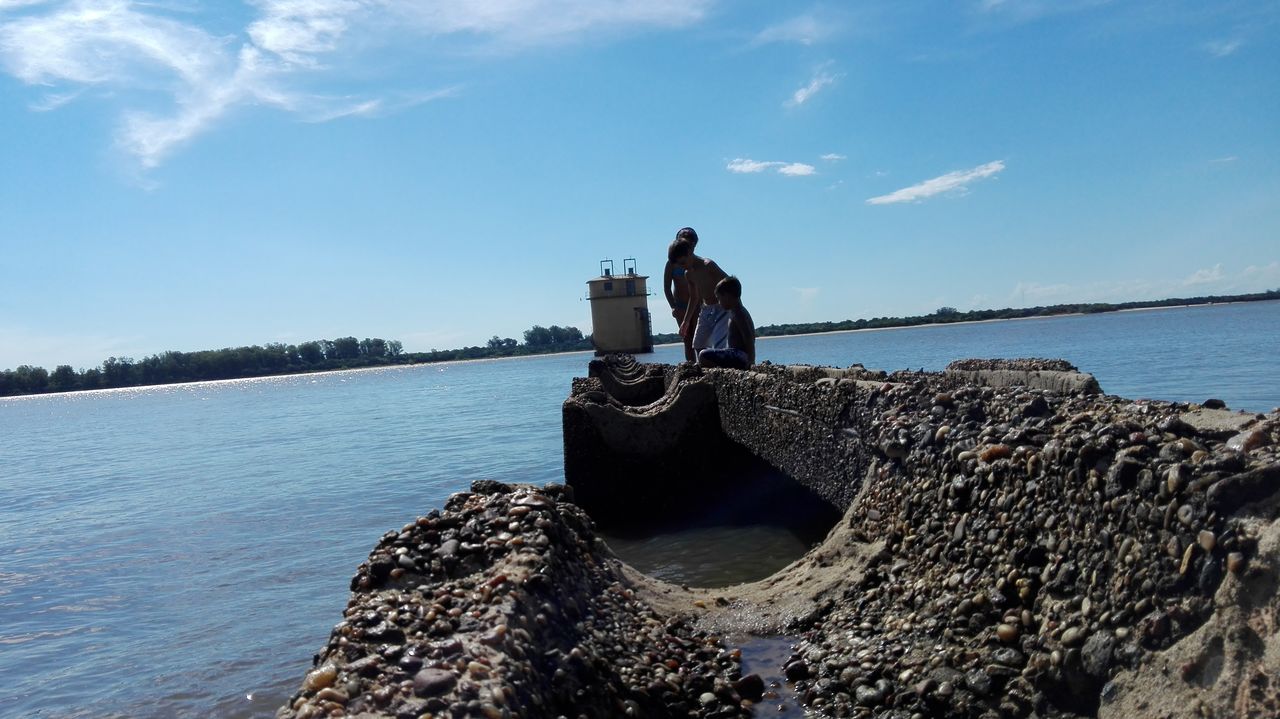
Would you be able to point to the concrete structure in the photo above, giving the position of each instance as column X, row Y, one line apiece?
column 1004, row 541
column 620, row 319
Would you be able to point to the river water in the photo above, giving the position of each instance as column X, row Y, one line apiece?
column 182, row 551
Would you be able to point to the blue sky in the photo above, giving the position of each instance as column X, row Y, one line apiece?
column 187, row 174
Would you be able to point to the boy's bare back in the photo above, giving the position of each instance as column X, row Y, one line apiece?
column 742, row 332
column 703, row 274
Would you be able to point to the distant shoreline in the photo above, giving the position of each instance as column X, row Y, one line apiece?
column 943, row 316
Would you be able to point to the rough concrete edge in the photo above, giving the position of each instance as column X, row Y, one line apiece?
column 1054, row 380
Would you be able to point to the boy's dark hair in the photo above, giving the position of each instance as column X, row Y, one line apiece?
column 679, row 248
column 687, row 233
column 729, row 286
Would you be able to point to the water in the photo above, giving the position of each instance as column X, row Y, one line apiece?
column 182, row 551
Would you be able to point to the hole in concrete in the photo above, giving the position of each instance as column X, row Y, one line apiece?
column 740, row 523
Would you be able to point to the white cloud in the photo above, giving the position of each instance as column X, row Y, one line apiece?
column 742, row 165
column 807, row 294
column 957, row 181
column 1223, row 48
column 833, row 157
column 797, row 169
column 1205, row 276
column 804, row 94
column 1223, row 160
column 172, row 80
column 745, row 165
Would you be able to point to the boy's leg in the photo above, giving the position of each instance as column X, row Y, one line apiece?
column 731, row 358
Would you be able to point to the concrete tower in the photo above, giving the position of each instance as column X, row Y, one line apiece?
column 620, row 310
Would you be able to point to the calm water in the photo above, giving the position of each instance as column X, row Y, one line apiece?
column 182, row 551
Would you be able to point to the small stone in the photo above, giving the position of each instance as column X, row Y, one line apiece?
column 1207, row 540
column 1073, row 637
column 1248, row 441
column 1235, row 562
column 925, row 686
column 1186, row 514
column 750, row 687
column 1008, row 657
column 868, row 696
column 433, row 682
column 329, row 694
column 320, row 677
column 1007, row 633
column 707, row 699
column 994, row 452
column 1186, row 558
column 978, row 681
column 797, row 670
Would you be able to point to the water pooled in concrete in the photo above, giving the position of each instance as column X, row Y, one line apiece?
column 711, row 556
column 761, row 522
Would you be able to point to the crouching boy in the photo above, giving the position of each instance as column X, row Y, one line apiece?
column 738, row 348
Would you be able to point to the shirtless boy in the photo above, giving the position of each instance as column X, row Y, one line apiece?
column 677, row 290
column 704, row 314
column 740, row 349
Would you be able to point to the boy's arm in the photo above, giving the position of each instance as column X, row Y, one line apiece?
column 668, row 281
column 691, row 312
column 748, row 330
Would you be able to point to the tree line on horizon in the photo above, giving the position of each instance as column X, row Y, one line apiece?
column 350, row 353
column 272, row 359
column 947, row 315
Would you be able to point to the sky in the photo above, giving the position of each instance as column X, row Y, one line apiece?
column 190, row 174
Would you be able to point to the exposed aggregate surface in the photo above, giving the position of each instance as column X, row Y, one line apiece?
column 1036, row 553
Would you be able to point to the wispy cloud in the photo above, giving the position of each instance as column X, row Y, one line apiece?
column 1223, row 48
column 957, row 181
column 745, row 166
column 804, row 29
column 833, row 157
column 1204, row 281
column 807, row 294
column 1019, row 11
column 1260, row 277
column 1205, row 276
column 1223, row 160
column 54, row 100
column 819, row 81
column 27, row 345
column 172, row 80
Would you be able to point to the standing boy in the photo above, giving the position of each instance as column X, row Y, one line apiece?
column 739, row 351
column 704, row 317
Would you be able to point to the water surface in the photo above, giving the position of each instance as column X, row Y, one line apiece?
column 182, row 551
